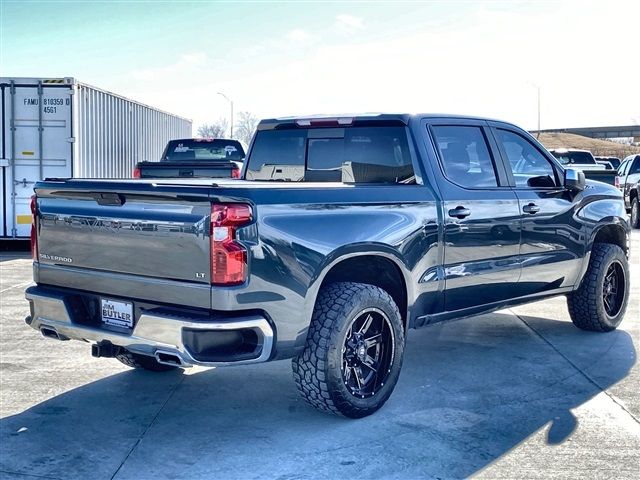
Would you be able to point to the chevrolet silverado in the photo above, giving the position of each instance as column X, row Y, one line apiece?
column 342, row 234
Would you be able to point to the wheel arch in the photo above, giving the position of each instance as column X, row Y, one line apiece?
column 611, row 232
column 378, row 265
column 614, row 230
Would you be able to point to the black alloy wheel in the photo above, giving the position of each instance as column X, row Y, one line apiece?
column 353, row 352
column 613, row 289
column 367, row 353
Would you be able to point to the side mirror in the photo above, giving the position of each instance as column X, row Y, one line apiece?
column 574, row 180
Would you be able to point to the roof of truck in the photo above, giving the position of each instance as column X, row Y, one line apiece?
column 349, row 118
column 567, row 150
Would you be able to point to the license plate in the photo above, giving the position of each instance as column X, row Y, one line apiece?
column 117, row 314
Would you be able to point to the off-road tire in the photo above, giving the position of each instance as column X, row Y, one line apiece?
column 586, row 304
column 635, row 213
column 144, row 362
column 318, row 370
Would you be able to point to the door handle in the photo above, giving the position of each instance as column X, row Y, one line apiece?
column 531, row 209
column 459, row 212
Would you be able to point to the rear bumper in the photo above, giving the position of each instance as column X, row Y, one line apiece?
column 185, row 340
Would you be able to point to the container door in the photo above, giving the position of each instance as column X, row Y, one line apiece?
column 38, row 144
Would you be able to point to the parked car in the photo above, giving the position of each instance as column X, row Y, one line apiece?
column 614, row 161
column 343, row 234
column 629, row 173
column 195, row 158
column 585, row 161
column 606, row 164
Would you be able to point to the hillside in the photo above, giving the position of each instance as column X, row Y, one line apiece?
column 597, row 147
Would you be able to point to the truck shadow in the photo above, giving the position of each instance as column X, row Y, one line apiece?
column 470, row 391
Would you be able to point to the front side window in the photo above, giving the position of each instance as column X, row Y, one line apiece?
column 465, row 156
column 623, row 168
column 530, row 168
column 350, row 155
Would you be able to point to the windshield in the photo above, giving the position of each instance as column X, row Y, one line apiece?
column 568, row 158
column 203, row 149
column 350, row 155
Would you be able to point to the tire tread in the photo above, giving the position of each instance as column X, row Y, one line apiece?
column 583, row 302
column 310, row 366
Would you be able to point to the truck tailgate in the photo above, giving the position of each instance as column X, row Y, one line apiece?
column 139, row 230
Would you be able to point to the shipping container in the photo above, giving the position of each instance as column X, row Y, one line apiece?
column 63, row 128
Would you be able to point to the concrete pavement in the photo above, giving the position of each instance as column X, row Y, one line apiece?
column 516, row 394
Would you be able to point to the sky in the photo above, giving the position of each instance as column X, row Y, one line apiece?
column 296, row 58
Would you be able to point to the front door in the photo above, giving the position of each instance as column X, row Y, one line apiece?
column 553, row 241
column 482, row 217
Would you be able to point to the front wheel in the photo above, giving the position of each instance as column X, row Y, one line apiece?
column 601, row 301
column 353, row 355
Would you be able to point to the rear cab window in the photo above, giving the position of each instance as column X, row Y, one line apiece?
column 203, row 149
column 356, row 154
column 571, row 157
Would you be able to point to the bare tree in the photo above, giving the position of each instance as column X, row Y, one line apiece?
column 217, row 129
column 245, row 127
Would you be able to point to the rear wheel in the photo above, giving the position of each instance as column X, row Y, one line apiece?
column 601, row 301
column 353, row 355
column 635, row 213
column 144, row 362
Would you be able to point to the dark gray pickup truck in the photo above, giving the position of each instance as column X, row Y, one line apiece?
column 195, row 158
column 342, row 234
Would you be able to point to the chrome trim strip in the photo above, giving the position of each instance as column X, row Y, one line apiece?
column 151, row 334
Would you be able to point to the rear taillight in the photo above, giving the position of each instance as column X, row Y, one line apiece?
column 228, row 257
column 34, row 232
column 137, row 173
column 617, row 181
column 235, row 172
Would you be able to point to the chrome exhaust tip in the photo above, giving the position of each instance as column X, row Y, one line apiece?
column 169, row 358
column 50, row 332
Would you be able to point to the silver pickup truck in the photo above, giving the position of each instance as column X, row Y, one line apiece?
column 585, row 161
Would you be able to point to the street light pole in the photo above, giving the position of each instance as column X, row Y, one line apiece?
column 538, row 86
column 231, row 104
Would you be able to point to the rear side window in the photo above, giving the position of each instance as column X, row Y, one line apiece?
column 623, row 168
column 203, row 149
column 530, row 168
column 350, row 155
column 465, row 156
column 569, row 158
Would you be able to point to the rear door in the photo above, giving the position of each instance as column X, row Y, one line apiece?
column 482, row 217
column 37, row 143
column 553, row 242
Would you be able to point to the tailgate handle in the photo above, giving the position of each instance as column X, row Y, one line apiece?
column 112, row 199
